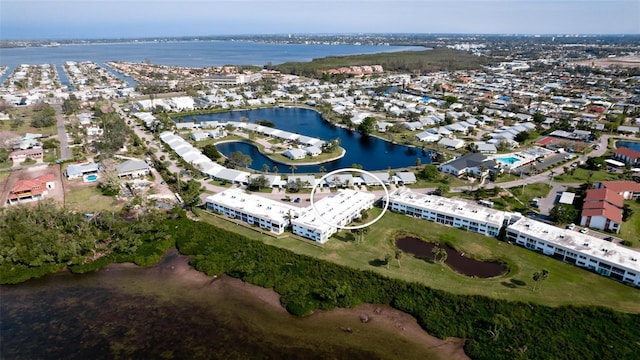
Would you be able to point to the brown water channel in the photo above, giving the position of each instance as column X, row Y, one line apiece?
column 459, row 262
column 171, row 311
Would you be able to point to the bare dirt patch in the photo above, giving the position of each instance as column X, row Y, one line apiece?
column 623, row 61
column 57, row 193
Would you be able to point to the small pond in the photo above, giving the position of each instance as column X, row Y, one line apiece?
column 460, row 263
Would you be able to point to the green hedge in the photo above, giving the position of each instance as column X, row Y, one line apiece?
column 493, row 329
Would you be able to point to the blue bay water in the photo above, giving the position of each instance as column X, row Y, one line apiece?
column 185, row 53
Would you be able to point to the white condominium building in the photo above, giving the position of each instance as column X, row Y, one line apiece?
column 255, row 210
column 340, row 209
column 453, row 212
column 603, row 257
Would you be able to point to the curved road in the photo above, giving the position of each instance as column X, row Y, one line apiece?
column 276, row 194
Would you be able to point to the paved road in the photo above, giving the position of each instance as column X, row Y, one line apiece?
column 543, row 177
column 65, row 151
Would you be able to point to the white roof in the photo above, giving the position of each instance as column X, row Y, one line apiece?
column 238, row 199
column 582, row 243
column 334, row 209
column 455, row 207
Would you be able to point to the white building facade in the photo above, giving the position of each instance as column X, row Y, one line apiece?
column 453, row 212
column 603, row 257
column 339, row 209
column 254, row 210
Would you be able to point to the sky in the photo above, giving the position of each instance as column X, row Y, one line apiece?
column 86, row 19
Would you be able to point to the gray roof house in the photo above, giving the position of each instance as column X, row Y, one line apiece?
column 133, row 168
column 470, row 163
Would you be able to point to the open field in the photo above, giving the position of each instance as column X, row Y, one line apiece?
column 567, row 284
column 622, row 61
column 85, row 197
column 582, row 175
column 630, row 229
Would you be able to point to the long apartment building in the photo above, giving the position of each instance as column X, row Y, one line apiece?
column 586, row 251
column 268, row 214
column 603, row 257
column 338, row 209
column 453, row 212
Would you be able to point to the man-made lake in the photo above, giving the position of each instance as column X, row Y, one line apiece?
column 171, row 311
column 370, row 152
column 462, row 264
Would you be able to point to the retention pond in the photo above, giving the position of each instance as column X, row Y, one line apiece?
column 459, row 262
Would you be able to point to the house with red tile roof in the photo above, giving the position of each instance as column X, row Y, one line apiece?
column 627, row 188
column 602, row 210
column 31, row 189
column 627, row 156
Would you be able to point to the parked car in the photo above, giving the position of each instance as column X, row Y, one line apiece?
column 571, row 226
column 584, row 230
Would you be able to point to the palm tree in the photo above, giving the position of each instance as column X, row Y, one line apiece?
column 275, row 169
column 265, row 168
column 322, row 169
column 293, row 169
column 398, row 256
column 387, row 259
column 539, row 276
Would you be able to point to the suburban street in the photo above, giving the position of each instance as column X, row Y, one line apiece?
column 65, row 151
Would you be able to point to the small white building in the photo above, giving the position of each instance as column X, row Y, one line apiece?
column 339, row 209
column 295, row 154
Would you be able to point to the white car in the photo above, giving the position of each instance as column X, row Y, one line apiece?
column 584, row 230
column 571, row 226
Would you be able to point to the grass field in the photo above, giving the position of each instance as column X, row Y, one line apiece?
column 581, row 176
column 89, row 199
column 566, row 284
column 630, row 229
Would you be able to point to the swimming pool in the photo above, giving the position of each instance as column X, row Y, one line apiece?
column 508, row 160
column 91, row 177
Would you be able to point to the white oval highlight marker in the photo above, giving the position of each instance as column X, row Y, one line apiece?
column 334, row 172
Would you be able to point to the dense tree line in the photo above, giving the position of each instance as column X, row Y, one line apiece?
column 417, row 62
column 36, row 240
column 115, row 133
column 494, row 329
column 43, row 116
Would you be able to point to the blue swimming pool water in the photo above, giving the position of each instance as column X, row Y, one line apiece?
column 92, row 177
column 508, row 160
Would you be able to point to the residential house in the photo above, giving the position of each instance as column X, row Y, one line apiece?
column 602, row 210
column 627, row 188
column 79, row 171
column 31, row 189
column 451, row 143
column 22, row 155
column 133, row 169
column 295, row 154
column 474, row 163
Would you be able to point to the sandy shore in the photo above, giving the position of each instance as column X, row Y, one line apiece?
column 381, row 317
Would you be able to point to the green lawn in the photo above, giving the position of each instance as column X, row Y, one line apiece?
column 581, row 176
column 531, row 191
column 630, row 229
column 89, row 199
column 566, row 284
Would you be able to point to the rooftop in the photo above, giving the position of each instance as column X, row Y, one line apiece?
column 457, row 207
column 582, row 243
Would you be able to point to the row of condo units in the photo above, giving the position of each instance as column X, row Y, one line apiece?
column 337, row 209
column 583, row 250
column 195, row 157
